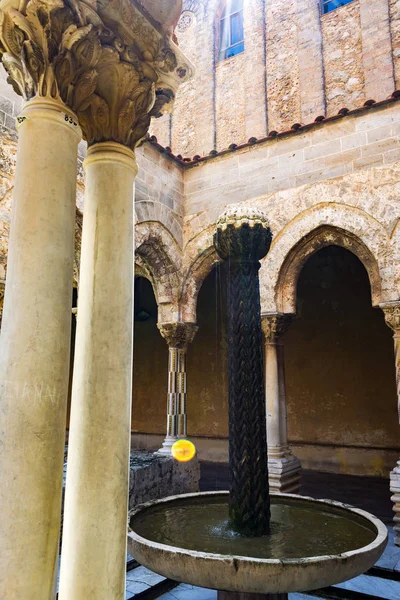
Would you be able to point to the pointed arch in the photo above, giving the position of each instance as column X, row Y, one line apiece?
column 322, row 225
column 158, row 256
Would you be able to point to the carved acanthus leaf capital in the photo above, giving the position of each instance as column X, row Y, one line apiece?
column 391, row 310
column 274, row 326
column 178, row 335
column 109, row 64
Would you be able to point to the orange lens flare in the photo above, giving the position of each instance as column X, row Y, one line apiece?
column 183, row 450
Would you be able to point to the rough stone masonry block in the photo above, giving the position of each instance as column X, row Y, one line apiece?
column 153, row 477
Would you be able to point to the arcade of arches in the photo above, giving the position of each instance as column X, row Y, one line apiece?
column 301, row 122
column 340, row 388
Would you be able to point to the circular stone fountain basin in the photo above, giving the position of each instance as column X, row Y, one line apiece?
column 313, row 543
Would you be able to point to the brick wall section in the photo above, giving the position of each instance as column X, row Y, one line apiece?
column 394, row 11
column 377, row 48
column 159, row 191
column 254, row 68
column 329, row 151
column 343, row 66
column 283, row 88
column 311, row 67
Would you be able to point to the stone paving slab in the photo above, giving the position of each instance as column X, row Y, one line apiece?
column 373, row 586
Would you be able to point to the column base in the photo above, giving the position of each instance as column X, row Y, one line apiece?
column 165, row 449
column 284, row 474
column 246, row 596
column 395, row 488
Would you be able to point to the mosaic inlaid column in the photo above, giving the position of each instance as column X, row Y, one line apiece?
column 284, row 468
column 178, row 336
column 392, row 317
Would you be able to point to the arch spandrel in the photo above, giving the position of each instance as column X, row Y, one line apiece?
column 311, row 230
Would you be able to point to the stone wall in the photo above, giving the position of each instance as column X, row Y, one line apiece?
column 297, row 65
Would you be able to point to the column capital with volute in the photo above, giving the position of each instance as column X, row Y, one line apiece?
column 178, row 334
column 274, row 325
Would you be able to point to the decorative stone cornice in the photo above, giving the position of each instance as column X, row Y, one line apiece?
column 103, row 58
column 274, row 325
column 391, row 310
column 178, row 335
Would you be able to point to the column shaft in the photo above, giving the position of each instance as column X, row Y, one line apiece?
column 178, row 336
column 391, row 310
column 96, row 503
column 282, row 398
column 176, row 418
column 34, row 349
column 284, row 468
column 273, row 405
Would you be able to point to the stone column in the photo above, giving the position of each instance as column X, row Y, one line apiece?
column 178, row 336
column 36, row 326
column 284, row 468
column 35, row 347
column 392, row 317
column 136, row 70
column 242, row 239
column 98, row 458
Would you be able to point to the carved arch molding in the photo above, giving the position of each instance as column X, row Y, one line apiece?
column 321, row 237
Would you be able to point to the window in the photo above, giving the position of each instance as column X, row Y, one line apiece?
column 328, row 5
column 231, row 37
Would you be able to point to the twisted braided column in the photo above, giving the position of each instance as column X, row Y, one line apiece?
column 391, row 311
column 242, row 240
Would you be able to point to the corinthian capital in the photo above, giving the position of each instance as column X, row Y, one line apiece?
column 112, row 65
column 178, row 335
column 391, row 310
column 274, row 325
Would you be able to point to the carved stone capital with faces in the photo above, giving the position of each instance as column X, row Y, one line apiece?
column 108, row 62
column 274, row 325
column 391, row 310
column 178, row 335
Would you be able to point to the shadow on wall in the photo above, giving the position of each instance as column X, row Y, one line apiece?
column 341, row 394
column 150, row 364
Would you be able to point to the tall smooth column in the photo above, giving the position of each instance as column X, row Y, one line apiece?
column 284, row 468
column 93, row 560
column 391, row 311
column 35, row 347
column 178, row 336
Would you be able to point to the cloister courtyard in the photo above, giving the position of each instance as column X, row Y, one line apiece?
column 199, row 239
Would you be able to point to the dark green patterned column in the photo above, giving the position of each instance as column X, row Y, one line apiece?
column 241, row 240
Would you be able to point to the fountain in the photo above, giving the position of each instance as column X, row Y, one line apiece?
column 246, row 543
